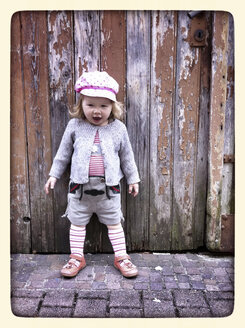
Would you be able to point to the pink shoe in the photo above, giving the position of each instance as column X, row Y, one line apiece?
column 125, row 266
column 72, row 268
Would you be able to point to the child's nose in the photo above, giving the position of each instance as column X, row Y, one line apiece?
column 96, row 110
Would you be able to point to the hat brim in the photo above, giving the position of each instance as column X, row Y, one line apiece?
column 99, row 93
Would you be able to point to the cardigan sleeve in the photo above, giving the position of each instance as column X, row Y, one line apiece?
column 127, row 160
column 63, row 155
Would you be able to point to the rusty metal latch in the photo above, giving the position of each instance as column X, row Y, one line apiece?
column 227, row 232
column 229, row 158
column 198, row 30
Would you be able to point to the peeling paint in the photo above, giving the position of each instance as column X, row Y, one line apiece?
column 217, row 124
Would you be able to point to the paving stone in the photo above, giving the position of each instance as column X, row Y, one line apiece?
column 86, row 273
column 220, row 295
column 162, row 309
column 90, row 308
column 68, row 283
column 35, row 284
column 113, row 285
column 179, row 269
column 126, row 285
column 99, row 269
column 17, row 284
column 112, row 270
column 182, row 278
column 25, row 307
column 53, row 283
column 221, row 308
column 145, row 272
column 156, row 277
column 194, row 312
column 141, row 285
column 143, row 279
column 55, row 312
column 171, row 285
column 192, row 256
column 167, row 271
column 85, row 285
column 99, row 276
column 196, row 277
column 59, row 298
column 162, row 295
column 22, row 277
column 175, row 262
column 198, row 285
column 156, row 286
column 229, row 270
column 98, row 285
column 220, row 272
column 210, row 282
column 226, row 264
column 186, row 298
column 226, row 286
column 212, row 264
column 184, row 285
column 93, row 294
column 212, row 288
column 125, row 313
column 125, row 299
column 27, row 293
column 169, row 278
column 224, row 278
column 193, row 271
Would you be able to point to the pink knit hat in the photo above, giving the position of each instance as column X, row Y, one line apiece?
column 97, row 84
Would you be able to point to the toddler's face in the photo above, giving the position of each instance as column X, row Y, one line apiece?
column 97, row 110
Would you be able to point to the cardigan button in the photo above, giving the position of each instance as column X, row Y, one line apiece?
column 102, row 180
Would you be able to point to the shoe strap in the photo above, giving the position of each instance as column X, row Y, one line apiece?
column 76, row 257
column 122, row 257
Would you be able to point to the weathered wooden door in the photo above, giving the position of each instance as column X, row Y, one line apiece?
column 170, row 79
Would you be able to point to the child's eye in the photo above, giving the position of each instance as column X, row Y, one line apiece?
column 90, row 105
column 104, row 106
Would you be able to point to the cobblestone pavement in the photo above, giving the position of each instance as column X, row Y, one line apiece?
column 168, row 285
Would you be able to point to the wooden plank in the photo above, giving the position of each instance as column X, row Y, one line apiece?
column 185, row 140
column 138, row 86
column 228, row 176
column 203, row 136
column 113, row 49
column 227, row 198
column 86, row 42
column 162, row 93
column 19, row 195
column 87, row 58
column 217, row 127
column 60, row 46
column 113, row 46
column 35, row 74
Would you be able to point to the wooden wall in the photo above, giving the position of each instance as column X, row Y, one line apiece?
column 172, row 90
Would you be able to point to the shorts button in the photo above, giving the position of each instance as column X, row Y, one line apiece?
column 102, row 180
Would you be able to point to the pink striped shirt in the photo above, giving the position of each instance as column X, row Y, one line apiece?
column 96, row 164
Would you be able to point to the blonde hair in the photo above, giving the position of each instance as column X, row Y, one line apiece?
column 116, row 113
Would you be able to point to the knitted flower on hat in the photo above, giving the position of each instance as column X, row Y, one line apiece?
column 97, row 84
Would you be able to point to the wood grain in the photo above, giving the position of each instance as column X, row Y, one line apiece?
column 19, row 184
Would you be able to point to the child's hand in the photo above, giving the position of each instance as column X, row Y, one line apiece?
column 50, row 184
column 133, row 189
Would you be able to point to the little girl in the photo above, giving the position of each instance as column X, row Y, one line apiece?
column 97, row 144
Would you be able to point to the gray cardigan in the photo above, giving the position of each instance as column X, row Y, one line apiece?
column 76, row 146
